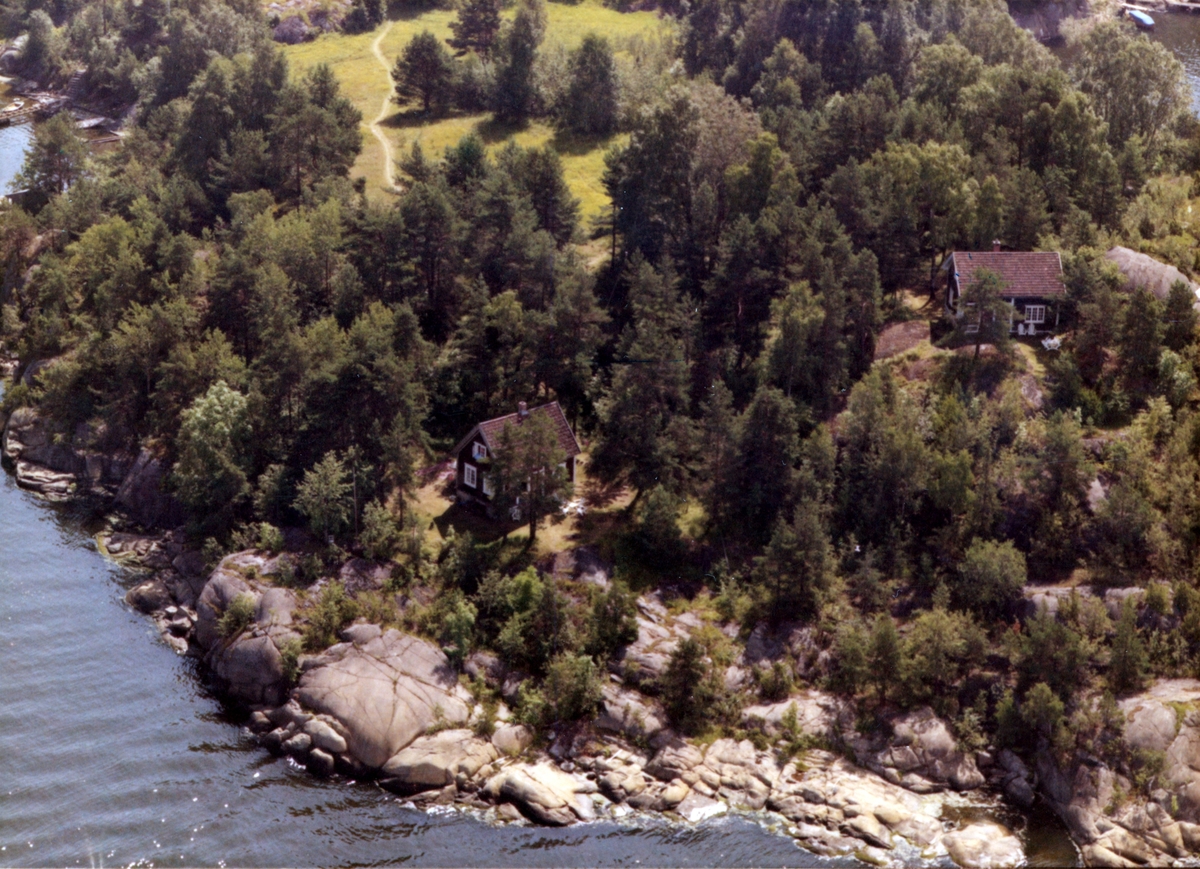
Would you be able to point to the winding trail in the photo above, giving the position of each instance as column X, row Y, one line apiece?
column 388, row 181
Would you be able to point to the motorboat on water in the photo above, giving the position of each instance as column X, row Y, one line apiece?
column 1140, row 18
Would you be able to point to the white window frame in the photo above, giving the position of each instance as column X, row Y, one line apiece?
column 487, row 488
column 469, row 475
column 1035, row 314
column 478, row 451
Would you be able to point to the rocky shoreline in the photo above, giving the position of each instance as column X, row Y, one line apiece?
column 387, row 706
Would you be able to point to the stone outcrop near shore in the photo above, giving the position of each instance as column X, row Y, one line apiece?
column 57, row 469
column 388, row 706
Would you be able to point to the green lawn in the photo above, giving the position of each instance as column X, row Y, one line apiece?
column 365, row 81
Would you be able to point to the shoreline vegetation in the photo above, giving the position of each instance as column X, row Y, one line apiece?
column 848, row 540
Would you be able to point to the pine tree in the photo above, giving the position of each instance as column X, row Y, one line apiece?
column 516, row 91
column 1180, row 317
column 590, row 105
column 476, row 28
column 1127, row 664
column 424, row 71
column 884, row 655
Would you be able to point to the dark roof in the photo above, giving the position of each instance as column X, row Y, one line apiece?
column 490, row 429
column 1025, row 274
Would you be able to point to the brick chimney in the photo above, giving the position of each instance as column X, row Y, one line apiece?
column 996, row 245
column 522, row 410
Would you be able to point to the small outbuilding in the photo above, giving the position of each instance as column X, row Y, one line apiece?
column 474, row 453
column 1032, row 280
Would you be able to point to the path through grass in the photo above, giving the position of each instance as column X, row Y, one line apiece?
column 388, row 159
column 362, row 63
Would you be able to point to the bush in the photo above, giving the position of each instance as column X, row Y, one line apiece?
column 733, row 602
column 851, row 649
column 332, row 611
column 774, row 682
column 612, row 622
column 380, row 536
column 526, row 619
column 991, row 578
column 1009, row 728
column 572, row 688
column 237, row 616
column 1042, row 711
column 1158, row 598
column 655, row 540
column 270, row 538
column 458, row 627
column 289, row 659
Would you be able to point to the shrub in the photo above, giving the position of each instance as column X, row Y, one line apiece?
column 991, row 578
column 612, row 622
column 1009, row 728
column 1158, row 598
column 212, row 552
column 572, row 688
column 380, row 536
column 237, row 616
column 270, row 538
column 458, row 627
column 733, row 602
column 851, row 655
column 485, row 725
column 531, row 706
column 332, row 611
column 774, row 682
column 289, row 659
column 1042, row 711
column 657, row 538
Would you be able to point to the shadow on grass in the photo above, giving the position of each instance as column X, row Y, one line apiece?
column 493, row 130
column 576, row 145
column 408, row 118
column 409, row 11
column 599, row 495
column 468, row 519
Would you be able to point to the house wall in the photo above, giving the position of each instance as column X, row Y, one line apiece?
column 1025, row 326
column 465, row 460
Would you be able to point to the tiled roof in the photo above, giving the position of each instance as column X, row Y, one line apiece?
column 490, row 429
column 1025, row 274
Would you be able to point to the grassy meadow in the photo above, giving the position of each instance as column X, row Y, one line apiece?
column 356, row 60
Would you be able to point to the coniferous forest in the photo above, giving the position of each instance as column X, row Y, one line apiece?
column 762, row 446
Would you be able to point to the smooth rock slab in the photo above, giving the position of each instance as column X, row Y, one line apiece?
column 984, row 846
column 512, row 739
column 697, row 807
column 542, row 793
column 438, row 760
column 628, row 713
column 385, row 693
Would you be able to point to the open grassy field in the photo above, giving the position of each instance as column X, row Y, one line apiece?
column 361, row 63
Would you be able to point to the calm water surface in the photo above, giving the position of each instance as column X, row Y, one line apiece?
column 1180, row 32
